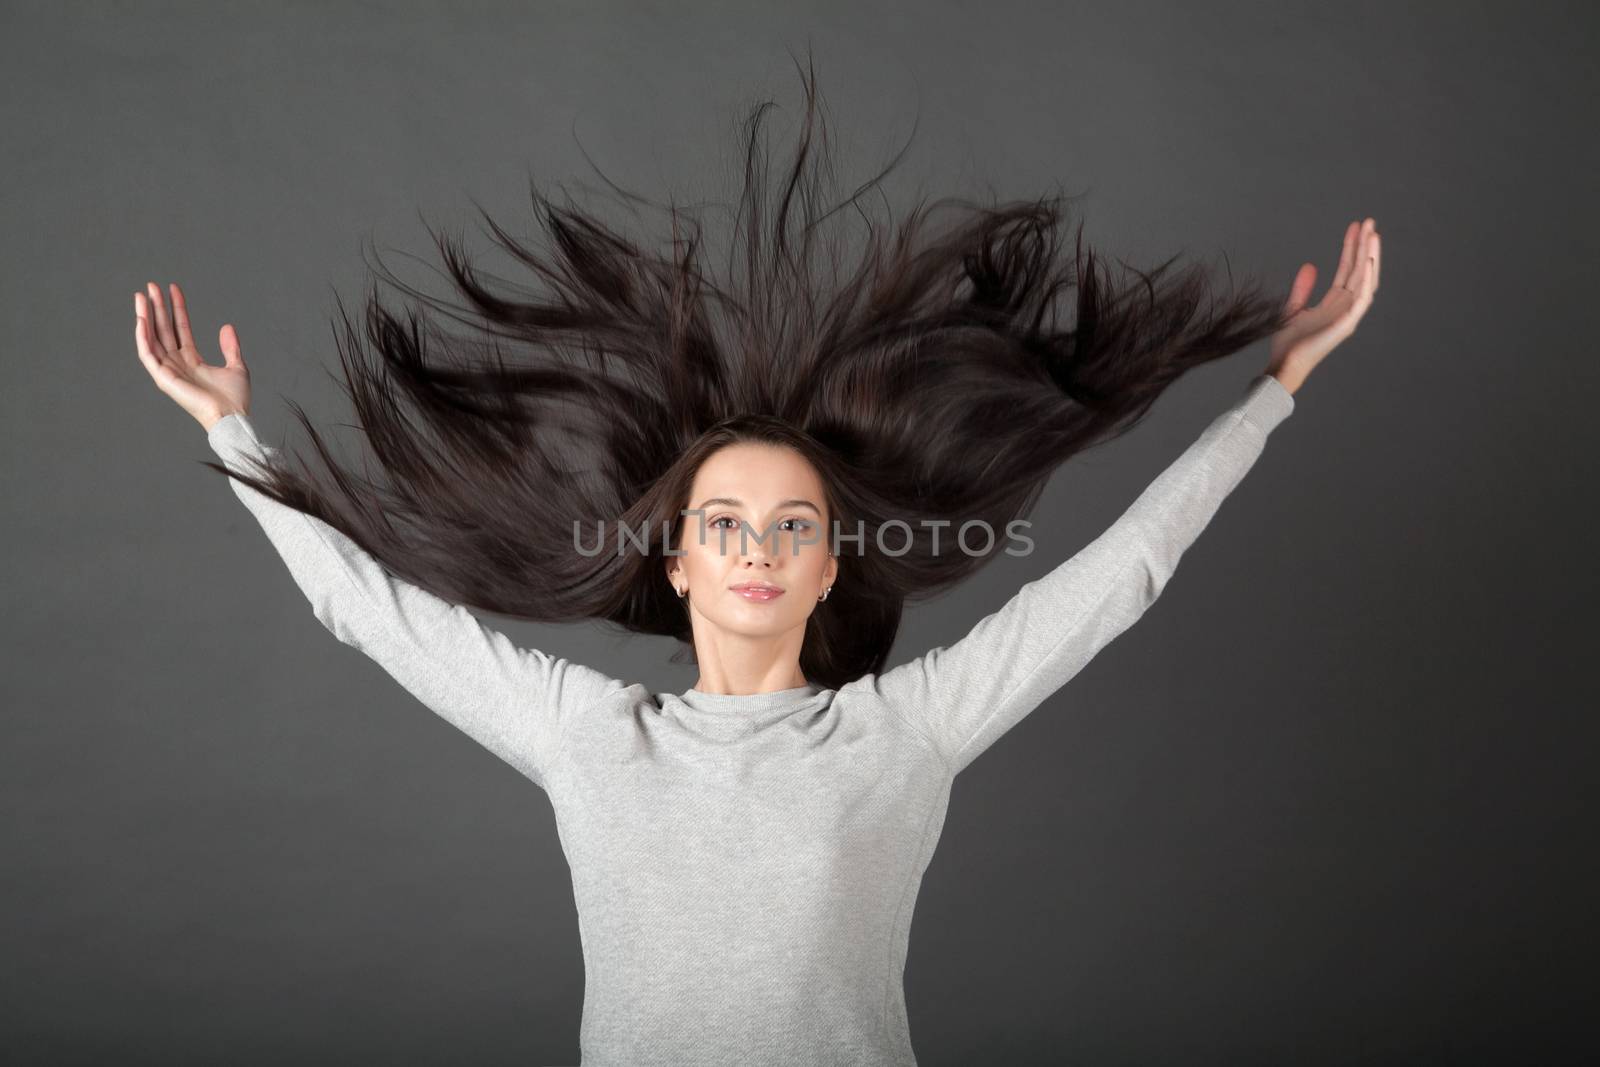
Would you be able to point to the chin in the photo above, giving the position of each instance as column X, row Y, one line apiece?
column 767, row 626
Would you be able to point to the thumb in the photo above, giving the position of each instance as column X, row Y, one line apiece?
column 228, row 338
column 1299, row 292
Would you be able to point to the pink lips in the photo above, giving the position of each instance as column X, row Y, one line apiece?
column 757, row 591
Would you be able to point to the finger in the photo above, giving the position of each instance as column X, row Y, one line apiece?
column 1361, row 286
column 156, row 368
column 149, row 346
column 169, row 340
column 167, row 378
column 180, row 315
column 1369, row 263
column 228, row 339
column 1347, row 256
column 141, row 310
column 1364, row 247
column 1377, row 258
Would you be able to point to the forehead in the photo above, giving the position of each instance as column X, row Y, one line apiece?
column 756, row 474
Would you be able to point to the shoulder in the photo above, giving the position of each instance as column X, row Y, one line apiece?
column 888, row 697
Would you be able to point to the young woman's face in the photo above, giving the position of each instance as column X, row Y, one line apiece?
column 774, row 497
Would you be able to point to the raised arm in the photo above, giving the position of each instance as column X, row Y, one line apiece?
column 966, row 696
column 514, row 701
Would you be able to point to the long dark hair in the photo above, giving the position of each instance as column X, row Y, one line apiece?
column 931, row 381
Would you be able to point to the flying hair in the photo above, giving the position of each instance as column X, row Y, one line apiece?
column 941, row 372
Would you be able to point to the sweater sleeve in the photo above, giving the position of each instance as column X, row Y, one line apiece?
column 513, row 701
column 964, row 697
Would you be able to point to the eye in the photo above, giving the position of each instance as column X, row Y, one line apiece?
column 803, row 524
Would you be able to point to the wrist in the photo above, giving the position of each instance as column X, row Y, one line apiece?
column 208, row 421
column 1290, row 381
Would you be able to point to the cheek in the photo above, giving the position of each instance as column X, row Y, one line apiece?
column 705, row 558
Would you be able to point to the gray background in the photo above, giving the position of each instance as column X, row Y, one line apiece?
column 1330, row 801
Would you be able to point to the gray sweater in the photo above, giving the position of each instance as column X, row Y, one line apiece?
column 745, row 867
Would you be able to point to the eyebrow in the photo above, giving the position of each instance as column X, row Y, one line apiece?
column 732, row 502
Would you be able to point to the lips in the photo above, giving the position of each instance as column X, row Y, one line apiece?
column 757, row 591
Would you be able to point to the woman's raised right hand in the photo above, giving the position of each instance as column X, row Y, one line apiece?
column 1316, row 331
column 168, row 352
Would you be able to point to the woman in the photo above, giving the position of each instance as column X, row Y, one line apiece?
column 746, row 854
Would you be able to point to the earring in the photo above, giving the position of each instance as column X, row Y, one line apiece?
column 825, row 593
column 681, row 592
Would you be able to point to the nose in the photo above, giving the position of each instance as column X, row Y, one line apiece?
column 760, row 553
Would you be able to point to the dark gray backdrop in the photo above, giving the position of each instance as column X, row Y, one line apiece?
column 1330, row 801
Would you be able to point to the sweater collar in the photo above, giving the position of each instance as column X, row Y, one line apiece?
column 748, row 705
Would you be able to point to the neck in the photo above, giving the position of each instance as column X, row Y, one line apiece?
column 734, row 683
column 739, row 664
